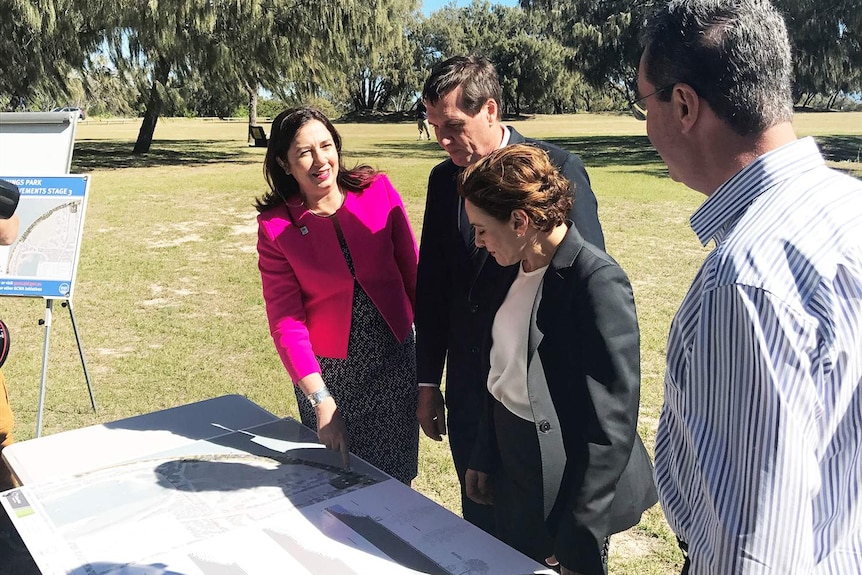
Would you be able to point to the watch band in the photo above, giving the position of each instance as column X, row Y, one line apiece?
column 318, row 396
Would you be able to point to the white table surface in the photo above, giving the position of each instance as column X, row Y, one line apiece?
column 196, row 486
column 71, row 452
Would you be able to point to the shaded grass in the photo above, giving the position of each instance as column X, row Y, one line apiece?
column 168, row 296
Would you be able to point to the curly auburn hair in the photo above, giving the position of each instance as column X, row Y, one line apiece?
column 518, row 177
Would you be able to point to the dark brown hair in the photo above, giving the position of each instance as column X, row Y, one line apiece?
column 477, row 78
column 283, row 186
column 518, row 177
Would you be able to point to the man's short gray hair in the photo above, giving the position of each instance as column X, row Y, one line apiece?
column 734, row 53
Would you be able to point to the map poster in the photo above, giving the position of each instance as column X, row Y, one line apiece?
column 43, row 260
column 257, row 501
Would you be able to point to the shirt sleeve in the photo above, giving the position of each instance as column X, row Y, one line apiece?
column 750, row 408
column 284, row 310
column 404, row 243
column 432, row 291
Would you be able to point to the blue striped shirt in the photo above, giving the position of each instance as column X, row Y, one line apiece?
column 758, row 457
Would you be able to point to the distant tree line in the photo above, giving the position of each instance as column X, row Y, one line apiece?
column 152, row 58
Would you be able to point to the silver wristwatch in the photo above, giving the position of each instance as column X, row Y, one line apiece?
column 318, row 396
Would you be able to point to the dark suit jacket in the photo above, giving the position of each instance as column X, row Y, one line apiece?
column 455, row 281
column 584, row 386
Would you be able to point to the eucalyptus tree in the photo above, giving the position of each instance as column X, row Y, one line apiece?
column 43, row 43
column 603, row 36
column 160, row 38
column 533, row 74
column 228, row 45
column 371, row 53
column 506, row 35
column 106, row 91
column 827, row 42
column 478, row 28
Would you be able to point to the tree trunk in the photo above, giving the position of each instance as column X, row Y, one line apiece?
column 154, row 108
column 252, row 104
column 148, row 126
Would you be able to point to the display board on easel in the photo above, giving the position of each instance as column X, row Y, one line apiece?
column 43, row 260
column 37, row 143
column 36, row 155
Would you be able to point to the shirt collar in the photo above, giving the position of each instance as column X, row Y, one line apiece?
column 506, row 135
column 716, row 216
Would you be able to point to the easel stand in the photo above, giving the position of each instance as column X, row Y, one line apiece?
column 49, row 306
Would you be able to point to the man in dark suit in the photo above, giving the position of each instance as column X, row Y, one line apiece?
column 456, row 280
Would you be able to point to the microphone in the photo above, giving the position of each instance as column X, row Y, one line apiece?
column 9, row 196
column 4, row 342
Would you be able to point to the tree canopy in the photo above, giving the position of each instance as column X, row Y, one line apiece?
column 214, row 57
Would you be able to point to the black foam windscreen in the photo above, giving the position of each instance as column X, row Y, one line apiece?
column 4, row 342
column 9, row 196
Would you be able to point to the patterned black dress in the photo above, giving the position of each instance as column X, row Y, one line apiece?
column 374, row 388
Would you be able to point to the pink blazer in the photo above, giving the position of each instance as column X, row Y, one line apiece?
column 307, row 286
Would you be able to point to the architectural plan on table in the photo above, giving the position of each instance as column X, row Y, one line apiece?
column 251, row 502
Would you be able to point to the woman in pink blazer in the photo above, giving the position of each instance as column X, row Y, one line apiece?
column 337, row 260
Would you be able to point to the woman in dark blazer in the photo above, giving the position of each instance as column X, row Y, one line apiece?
column 559, row 453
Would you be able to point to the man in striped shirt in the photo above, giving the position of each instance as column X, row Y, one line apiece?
column 759, row 449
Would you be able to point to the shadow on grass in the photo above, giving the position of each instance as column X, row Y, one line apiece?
column 603, row 151
column 411, row 149
column 92, row 155
column 841, row 148
column 596, row 151
column 637, row 150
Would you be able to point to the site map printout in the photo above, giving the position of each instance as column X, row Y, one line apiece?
column 249, row 502
column 43, row 259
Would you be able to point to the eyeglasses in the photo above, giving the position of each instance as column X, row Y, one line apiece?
column 640, row 112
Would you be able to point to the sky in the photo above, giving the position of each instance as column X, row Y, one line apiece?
column 429, row 6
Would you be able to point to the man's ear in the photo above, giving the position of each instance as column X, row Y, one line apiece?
column 492, row 105
column 686, row 106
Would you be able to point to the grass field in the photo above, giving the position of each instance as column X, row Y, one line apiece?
column 168, row 300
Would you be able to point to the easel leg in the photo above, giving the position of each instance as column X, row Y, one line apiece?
column 49, row 306
column 68, row 303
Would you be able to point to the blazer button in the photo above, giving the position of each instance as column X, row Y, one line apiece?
column 474, row 308
column 474, row 349
column 544, row 426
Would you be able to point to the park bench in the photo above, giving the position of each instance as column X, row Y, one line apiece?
column 257, row 137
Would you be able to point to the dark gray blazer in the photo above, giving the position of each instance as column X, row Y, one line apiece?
column 583, row 382
column 455, row 281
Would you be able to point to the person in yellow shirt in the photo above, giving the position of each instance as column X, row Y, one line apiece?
column 8, row 234
column 7, row 480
